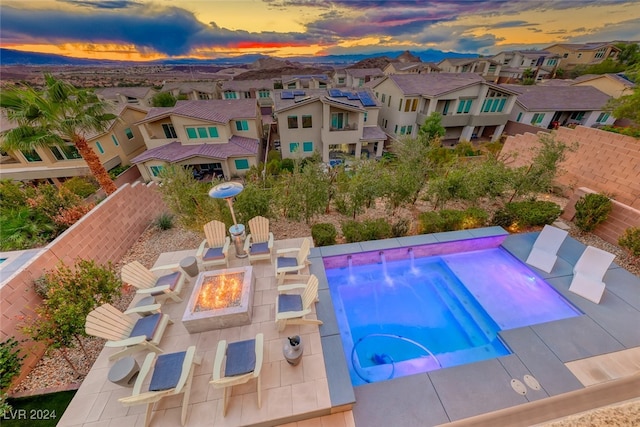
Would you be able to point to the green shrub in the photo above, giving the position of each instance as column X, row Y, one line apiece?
column 324, row 234
column 10, row 362
column 451, row 220
column 631, row 240
column 113, row 173
column 287, row 164
column 81, row 186
column 530, row 213
column 376, row 229
column 164, row 221
column 591, row 210
column 400, row 228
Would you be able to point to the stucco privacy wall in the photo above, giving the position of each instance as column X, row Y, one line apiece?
column 104, row 234
column 620, row 218
column 604, row 161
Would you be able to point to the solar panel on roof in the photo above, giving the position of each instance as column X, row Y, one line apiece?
column 298, row 93
column 366, row 99
column 352, row 96
column 335, row 92
column 286, row 95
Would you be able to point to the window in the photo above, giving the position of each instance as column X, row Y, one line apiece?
column 552, row 62
column 307, row 146
column 229, row 94
column 537, row 118
column 155, row 170
column 242, row 164
column 338, row 120
column 202, row 95
column 566, row 55
column 191, row 133
column 602, row 117
column 169, row 131
column 403, row 130
column 294, row 147
column 242, row 125
column 365, row 116
column 213, row 132
column 292, row 122
column 386, row 123
column 409, row 129
column 464, row 106
column 384, row 98
column 580, row 55
column 202, row 133
column 446, row 107
column 115, row 140
column 340, row 80
column 400, row 105
column 519, row 117
column 389, row 101
column 322, row 85
column 129, row 133
column 395, row 129
column 414, row 105
column 31, row 155
column 307, row 122
column 99, row 147
column 407, row 105
column 247, row 95
column 577, row 115
column 600, row 53
column 65, row 152
column 263, row 93
column 291, row 86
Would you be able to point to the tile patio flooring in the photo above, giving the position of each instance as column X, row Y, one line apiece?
column 546, row 351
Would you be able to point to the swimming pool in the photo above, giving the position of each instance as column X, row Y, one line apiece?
column 415, row 309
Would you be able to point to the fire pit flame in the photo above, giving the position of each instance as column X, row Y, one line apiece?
column 221, row 291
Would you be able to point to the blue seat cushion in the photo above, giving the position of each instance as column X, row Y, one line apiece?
column 241, row 358
column 213, row 254
column 169, row 279
column 146, row 326
column 288, row 302
column 259, row 248
column 167, row 371
column 284, row 261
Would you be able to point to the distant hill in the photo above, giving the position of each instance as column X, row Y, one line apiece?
column 14, row 57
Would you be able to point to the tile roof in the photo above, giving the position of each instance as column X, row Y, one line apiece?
column 434, row 84
column 131, row 92
column 323, row 95
column 364, row 72
column 559, row 98
column 373, row 133
column 213, row 110
column 176, row 152
column 246, row 85
column 618, row 78
column 187, row 87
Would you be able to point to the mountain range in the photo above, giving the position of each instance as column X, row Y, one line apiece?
column 16, row 57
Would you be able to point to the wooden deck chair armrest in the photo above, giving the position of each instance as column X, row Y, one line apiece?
column 247, row 243
column 144, row 309
column 287, row 250
column 291, row 287
column 172, row 267
column 200, row 250
column 292, row 314
column 227, row 243
column 259, row 354
column 290, row 269
column 217, row 365
column 270, row 241
column 145, row 370
column 126, row 342
column 154, row 290
column 146, row 397
column 187, row 366
column 229, row 381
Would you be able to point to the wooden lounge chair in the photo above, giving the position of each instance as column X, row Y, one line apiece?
column 166, row 286
column 172, row 374
column 588, row 273
column 292, row 264
column 242, row 363
column 291, row 309
column 543, row 253
column 214, row 249
column 259, row 241
column 120, row 330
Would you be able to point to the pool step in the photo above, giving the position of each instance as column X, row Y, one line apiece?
column 470, row 355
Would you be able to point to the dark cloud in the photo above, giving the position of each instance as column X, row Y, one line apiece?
column 101, row 4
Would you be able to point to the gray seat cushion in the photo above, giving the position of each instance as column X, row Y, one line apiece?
column 241, row 358
column 284, row 261
column 259, row 248
column 288, row 302
column 169, row 279
column 212, row 254
column 146, row 326
column 167, row 371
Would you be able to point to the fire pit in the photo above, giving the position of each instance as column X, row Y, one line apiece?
column 220, row 299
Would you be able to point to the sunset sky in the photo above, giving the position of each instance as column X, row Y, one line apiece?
column 156, row 29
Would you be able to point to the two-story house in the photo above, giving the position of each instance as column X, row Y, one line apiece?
column 574, row 54
column 115, row 146
column 397, row 67
column 552, row 106
column 306, row 81
column 470, row 106
column 335, row 123
column 192, row 90
column 216, row 137
column 357, row 77
column 247, row 89
column 485, row 67
column 515, row 62
column 614, row 85
column 126, row 95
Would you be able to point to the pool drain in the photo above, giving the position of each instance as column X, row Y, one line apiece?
column 518, row 387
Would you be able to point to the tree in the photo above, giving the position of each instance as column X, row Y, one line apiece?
column 163, row 99
column 627, row 106
column 432, row 127
column 53, row 116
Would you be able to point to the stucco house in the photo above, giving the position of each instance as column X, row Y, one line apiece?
column 410, row 68
column 336, row 123
column 614, row 85
column 575, row 54
column 357, row 77
column 216, row 137
column 115, row 146
column 306, row 81
column 485, row 67
column 126, row 95
column 470, row 106
column 552, row 106
column 515, row 62
column 193, row 90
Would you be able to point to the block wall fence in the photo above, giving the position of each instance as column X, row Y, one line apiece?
column 604, row 162
column 104, row 234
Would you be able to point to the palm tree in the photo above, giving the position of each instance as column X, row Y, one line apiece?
column 57, row 114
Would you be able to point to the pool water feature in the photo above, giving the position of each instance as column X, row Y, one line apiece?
column 415, row 309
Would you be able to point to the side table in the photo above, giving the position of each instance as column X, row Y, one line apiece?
column 190, row 266
column 124, row 372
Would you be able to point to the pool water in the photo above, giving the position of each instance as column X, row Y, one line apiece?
column 401, row 313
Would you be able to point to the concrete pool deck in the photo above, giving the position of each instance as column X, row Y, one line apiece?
column 544, row 351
